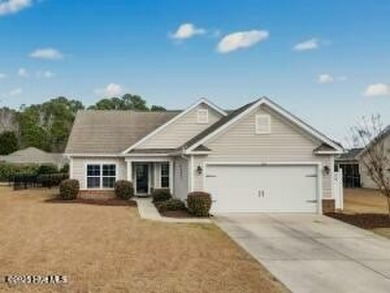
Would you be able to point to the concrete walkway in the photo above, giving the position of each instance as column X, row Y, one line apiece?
column 147, row 210
column 313, row 253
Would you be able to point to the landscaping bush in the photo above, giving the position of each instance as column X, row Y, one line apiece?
column 65, row 168
column 199, row 203
column 50, row 180
column 47, row 169
column 69, row 189
column 172, row 204
column 8, row 171
column 161, row 194
column 124, row 189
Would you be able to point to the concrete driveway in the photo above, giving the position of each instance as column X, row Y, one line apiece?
column 313, row 253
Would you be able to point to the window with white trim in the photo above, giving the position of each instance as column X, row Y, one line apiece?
column 165, row 175
column 101, row 176
column 203, row 116
column 263, row 124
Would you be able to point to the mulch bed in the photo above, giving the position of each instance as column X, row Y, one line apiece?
column 176, row 214
column 94, row 201
column 365, row 221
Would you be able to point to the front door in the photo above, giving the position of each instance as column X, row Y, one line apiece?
column 142, row 178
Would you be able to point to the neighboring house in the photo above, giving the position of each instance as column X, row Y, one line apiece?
column 258, row 158
column 349, row 164
column 382, row 138
column 32, row 155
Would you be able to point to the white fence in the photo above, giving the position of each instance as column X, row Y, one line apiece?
column 338, row 192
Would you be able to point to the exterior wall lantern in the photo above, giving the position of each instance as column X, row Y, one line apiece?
column 199, row 170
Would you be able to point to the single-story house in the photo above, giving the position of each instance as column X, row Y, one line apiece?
column 32, row 155
column 258, row 158
column 349, row 164
column 380, row 144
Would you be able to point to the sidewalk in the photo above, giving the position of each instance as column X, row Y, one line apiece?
column 147, row 210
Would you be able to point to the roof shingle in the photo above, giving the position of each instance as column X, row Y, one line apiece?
column 111, row 132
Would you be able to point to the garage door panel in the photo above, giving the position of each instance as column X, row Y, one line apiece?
column 262, row 188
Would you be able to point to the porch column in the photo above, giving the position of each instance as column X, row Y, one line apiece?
column 171, row 176
column 129, row 171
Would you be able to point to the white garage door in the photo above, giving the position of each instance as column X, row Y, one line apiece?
column 254, row 188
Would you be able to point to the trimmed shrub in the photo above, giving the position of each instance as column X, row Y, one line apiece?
column 199, row 203
column 172, row 204
column 47, row 169
column 69, row 189
column 124, row 189
column 161, row 194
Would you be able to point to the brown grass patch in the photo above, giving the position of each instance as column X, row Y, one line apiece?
column 110, row 249
column 365, row 208
column 363, row 200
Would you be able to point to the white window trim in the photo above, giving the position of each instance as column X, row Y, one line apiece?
column 204, row 112
column 101, row 174
column 169, row 175
column 262, row 116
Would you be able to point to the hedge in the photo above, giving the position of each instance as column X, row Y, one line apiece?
column 199, row 203
column 124, row 189
column 161, row 194
column 69, row 189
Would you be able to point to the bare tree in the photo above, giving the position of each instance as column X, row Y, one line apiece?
column 371, row 135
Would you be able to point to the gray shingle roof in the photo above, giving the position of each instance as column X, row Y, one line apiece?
column 111, row 132
column 349, row 155
column 32, row 155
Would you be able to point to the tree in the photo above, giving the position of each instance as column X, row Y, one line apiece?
column 155, row 108
column 371, row 134
column 126, row 102
column 8, row 142
column 47, row 126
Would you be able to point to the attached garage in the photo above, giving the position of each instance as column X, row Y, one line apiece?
column 263, row 188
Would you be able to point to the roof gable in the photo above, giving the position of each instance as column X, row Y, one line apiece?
column 173, row 121
column 245, row 110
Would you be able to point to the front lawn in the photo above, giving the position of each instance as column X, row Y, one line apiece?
column 365, row 208
column 110, row 249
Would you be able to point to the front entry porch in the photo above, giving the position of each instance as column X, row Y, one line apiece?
column 150, row 174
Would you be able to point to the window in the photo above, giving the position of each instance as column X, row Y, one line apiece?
column 101, row 175
column 165, row 175
column 263, row 124
column 203, row 116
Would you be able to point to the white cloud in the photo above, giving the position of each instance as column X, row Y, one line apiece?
column 342, row 78
column 111, row 90
column 13, row 6
column 47, row 53
column 22, row 72
column 325, row 78
column 45, row 74
column 240, row 40
column 15, row 92
column 2, row 75
column 377, row 89
column 307, row 45
column 186, row 31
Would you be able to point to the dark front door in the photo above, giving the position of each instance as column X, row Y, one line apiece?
column 142, row 178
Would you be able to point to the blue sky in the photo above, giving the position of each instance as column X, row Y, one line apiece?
column 327, row 61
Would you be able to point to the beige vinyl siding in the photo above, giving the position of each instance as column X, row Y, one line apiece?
column 180, row 180
column 79, row 168
column 285, row 143
column 177, row 133
column 365, row 179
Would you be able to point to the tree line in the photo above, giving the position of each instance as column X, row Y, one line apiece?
column 47, row 126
